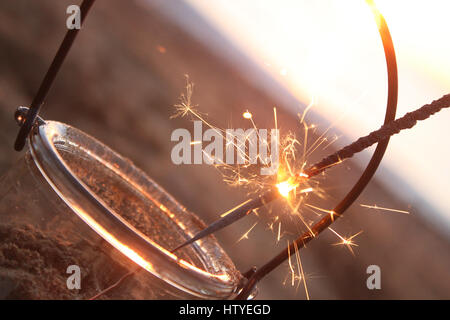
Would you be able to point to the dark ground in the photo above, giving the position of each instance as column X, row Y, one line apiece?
column 119, row 85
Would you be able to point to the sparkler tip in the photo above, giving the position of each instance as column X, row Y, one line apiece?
column 247, row 115
column 184, row 244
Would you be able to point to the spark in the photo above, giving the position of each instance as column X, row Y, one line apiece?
column 348, row 242
column 247, row 115
column 316, row 146
column 232, row 209
column 290, row 265
column 270, row 225
column 279, row 231
column 245, row 235
column 301, row 273
column 305, row 142
column 231, row 173
column 275, row 119
column 291, row 182
column 335, row 138
column 241, row 174
column 331, row 212
column 310, row 105
column 385, row 209
column 324, row 133
column 307, row 190
column 118, row 282
column 304, row 175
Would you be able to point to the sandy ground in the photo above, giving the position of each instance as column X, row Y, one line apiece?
column 120, row 83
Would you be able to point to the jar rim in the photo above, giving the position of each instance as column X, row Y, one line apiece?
column 222, row 282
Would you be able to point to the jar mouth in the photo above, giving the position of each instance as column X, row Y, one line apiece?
column 213, row 276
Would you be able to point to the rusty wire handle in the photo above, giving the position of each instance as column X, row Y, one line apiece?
column 255, row 275
column 49, row 78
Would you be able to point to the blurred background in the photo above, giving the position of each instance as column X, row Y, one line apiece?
column 127, row 70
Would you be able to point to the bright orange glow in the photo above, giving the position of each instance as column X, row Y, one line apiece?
column 123, row 248
column 135, row 256
column 247, row 115
column 285, row 187
column 127, row 251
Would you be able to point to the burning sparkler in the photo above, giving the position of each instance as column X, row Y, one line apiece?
column 285, row 187
column 292, row 182
column 295, row 179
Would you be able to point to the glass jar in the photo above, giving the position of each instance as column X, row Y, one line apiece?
column 72, row 201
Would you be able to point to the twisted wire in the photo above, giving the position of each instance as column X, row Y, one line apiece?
column 408, row 121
